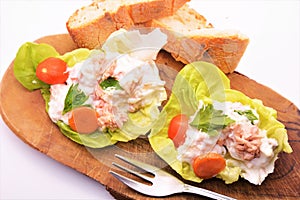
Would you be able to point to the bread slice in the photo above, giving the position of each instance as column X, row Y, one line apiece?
column 91, row 25
column 192, row 38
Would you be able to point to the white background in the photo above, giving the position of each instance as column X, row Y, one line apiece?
column 272, row 58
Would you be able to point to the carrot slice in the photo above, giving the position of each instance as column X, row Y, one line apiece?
column 83, row 120
column 209, row 165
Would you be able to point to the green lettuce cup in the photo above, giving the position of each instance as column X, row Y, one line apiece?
column 204, row 82
column 119, row 82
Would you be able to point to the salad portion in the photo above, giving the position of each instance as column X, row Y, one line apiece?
column 208, row 130
column 98, row 97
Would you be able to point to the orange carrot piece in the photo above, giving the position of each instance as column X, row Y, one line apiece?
column 209, row 165
column 83, row 120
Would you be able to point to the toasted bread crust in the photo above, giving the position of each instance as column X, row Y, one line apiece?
column 224, row 48
column 90, row 36
column 223, row 51
column 190, row 37
column 95, row 32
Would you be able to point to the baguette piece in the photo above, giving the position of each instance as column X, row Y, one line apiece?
column 191, row 38
column 91, row 25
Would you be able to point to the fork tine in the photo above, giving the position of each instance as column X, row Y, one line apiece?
column 135, row 185
column 147, row 178
column 138, row 164
column 163, row 183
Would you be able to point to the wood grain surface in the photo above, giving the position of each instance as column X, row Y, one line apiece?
column 24, row 113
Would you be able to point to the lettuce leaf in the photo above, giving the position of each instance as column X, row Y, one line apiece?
column 143, row 44
column 140, row 121
column 28, row 57
column 31, row 54
column 75, row 56
column 204, row 81
column 267, row 119
column 196, row 81
column 94, row 140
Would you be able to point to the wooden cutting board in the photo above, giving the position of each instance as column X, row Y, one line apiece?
column 24, row 113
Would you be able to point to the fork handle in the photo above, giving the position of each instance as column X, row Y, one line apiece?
column 204, row 192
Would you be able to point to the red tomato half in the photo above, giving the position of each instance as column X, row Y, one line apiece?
column 52, row 71
column 177, row 129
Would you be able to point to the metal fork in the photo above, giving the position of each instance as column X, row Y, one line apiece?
column 163, row 183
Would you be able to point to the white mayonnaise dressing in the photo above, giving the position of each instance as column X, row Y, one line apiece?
column 141, row 81
column 200, row 143
column 136, row 72
column 228, row 109
column 57, row 102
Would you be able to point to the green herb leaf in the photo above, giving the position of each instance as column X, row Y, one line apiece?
column 249, row 114
column 210, row 120
column 110, row 82
column 75, row 98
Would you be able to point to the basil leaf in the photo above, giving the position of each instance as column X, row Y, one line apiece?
column 110, row 82
column 210, row 120
column 249, row 114
column 75, row 98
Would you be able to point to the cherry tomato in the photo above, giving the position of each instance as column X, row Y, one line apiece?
column 177, row 129
column 209, row 165
column 52, row 71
